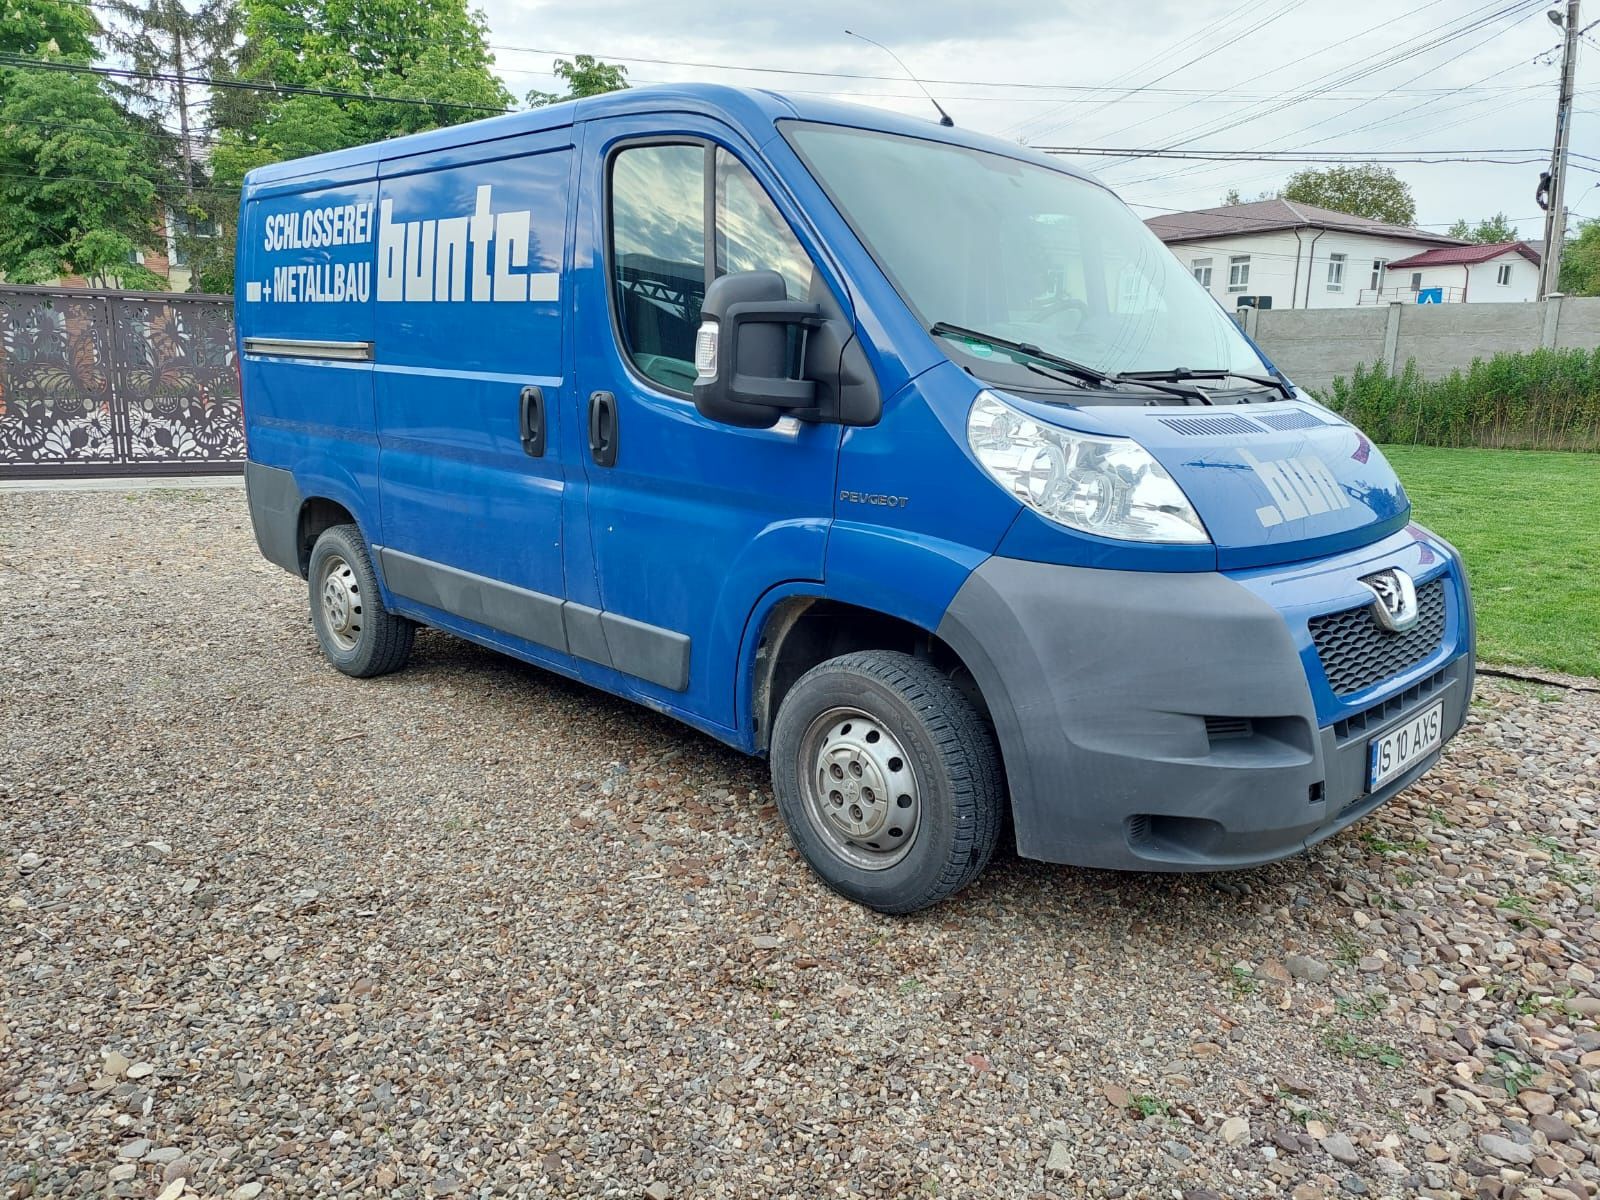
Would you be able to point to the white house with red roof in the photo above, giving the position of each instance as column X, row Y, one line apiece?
column 1497, row 273
column 1281, row 253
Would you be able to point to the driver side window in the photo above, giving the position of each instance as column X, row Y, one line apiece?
column 659, row 236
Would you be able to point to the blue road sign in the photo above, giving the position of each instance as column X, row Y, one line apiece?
column 1430, row 296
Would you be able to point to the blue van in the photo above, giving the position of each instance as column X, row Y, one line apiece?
column 904, row 457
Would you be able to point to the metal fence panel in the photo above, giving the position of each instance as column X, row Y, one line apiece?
column 108, row 383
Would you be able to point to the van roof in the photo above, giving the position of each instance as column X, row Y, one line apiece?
column 746, row 108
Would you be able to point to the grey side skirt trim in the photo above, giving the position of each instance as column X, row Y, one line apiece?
column 513, row 610
column 648, row 652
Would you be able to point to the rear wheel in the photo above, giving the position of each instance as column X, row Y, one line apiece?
column 888, row 780
column 357, row 633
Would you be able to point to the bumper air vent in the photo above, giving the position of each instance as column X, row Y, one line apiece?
column 1223, row 729
column 1381, row 714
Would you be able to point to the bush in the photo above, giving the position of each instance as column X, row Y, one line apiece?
column 1541, row 400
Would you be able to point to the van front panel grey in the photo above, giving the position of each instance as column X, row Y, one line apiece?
column 1156, row 721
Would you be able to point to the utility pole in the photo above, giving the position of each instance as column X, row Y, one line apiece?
column 1555, row 216
column 176, row 13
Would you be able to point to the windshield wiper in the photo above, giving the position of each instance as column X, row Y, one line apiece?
column 1180, row 374
column 1027, row 349
column 1055, row 366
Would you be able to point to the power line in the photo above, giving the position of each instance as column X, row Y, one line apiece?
column 1315, row 53
column 1091, row 91
column 1272, row 155
column 283, row 89
column 1033, row 125
column 1019, row 128
column 1521, row 11
column 1430, row 39
column 28, row 177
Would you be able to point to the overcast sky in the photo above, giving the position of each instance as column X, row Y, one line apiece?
column 1198, row 63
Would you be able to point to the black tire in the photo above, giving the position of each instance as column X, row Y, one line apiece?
column 959, row 786
column 371, row 640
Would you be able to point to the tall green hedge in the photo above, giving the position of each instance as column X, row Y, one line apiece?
column 1541, row 400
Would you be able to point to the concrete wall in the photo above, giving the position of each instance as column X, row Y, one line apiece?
column 1314, row 346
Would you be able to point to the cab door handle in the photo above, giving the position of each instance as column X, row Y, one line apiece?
column 603, row 428
column 531, row 421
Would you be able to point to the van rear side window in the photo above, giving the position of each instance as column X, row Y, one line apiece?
column 659, row 249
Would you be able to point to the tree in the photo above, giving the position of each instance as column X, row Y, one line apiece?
column 584, row 75
column 166, row 39
column 1233, row 197
column 48, row 29
column 168, row 42
column 1489, row 231
column 1365, row 190
column 412, row 49
column 1580, row 261
column 78, row 175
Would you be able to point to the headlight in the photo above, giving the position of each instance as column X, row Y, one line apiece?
column 1102, row 485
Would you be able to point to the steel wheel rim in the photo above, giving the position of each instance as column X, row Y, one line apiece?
column 860, row 791
column 339, row 593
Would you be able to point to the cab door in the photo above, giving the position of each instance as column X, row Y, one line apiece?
column 686, row 521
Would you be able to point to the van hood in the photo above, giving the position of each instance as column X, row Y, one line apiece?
column 1273, row 482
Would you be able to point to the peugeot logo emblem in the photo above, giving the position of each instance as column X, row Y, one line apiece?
column 1394, row 607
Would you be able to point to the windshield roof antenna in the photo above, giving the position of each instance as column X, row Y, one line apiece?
column 944, row 117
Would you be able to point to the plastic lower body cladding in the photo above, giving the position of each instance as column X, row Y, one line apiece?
column 1167, row 722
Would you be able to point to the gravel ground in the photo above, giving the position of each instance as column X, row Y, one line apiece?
column 474, row 930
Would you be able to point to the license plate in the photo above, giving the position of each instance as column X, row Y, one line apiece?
column 1402, row 747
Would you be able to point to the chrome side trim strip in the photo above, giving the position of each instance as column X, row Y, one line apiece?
column 309, row 348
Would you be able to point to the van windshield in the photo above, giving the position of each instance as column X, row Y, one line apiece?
column 1028, row 254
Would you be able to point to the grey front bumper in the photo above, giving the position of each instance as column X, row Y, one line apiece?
column 1119, row 698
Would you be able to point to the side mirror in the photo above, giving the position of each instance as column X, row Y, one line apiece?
column 742, row 354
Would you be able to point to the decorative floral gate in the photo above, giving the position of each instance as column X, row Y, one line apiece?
column 112, row 383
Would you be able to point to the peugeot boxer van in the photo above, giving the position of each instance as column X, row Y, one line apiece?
column 906, row 458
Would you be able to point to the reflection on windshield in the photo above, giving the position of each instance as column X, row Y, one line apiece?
column 1021, row 251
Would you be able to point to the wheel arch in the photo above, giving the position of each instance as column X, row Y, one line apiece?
column 796, row 631
column 317, row 515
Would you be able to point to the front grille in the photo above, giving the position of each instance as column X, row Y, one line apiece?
column 1356, row 654
column 1380, row 714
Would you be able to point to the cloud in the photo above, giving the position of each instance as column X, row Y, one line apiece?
column 762, row 30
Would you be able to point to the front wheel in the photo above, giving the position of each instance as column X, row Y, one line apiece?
column 888, row 780
column 357, row 633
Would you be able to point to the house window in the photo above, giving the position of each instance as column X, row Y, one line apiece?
column 180, row 229
column 1378, row 265
column 1336, row 272
column 1239, row 273
column 136, row 258
column 1502, row 275
column 1416, row 281
column 1201, row 267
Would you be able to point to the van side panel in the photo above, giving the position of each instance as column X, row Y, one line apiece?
column 304, row 315
column 470, row 311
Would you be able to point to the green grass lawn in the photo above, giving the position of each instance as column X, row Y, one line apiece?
column 1528, row 523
